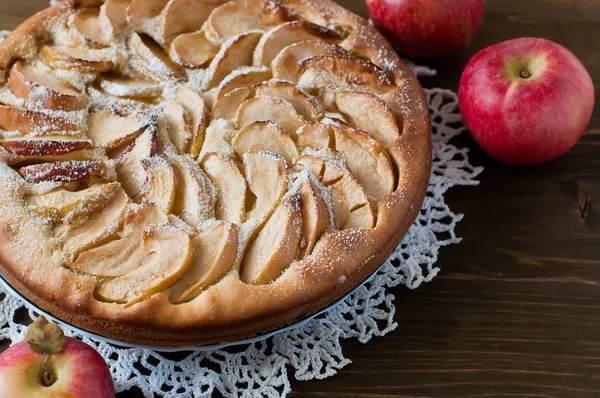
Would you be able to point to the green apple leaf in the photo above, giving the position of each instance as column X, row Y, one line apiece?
column 45, row 337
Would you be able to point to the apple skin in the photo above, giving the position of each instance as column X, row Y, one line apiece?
column 428, row 28
column 80, row 373
column 525, row 121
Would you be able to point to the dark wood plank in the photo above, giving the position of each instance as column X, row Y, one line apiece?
column 514, row 312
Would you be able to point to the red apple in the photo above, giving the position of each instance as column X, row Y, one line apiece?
column 526, row 101
column 428, row 28
column 75, row 371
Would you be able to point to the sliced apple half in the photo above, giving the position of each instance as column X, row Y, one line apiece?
column 274, row 109
column 215, row 251
column 285, row 65
column 315, row 217
column 138, row 88
column 193, row 50
column 234, row 54
column 230, row 186
column 239, row 16
column 241, row 79
column 267, row 178
column 68, row 171
column 343, row 71
column 47, row 145
column 107, row 130
column 226, row 106
column 86, row 30
column 167, row 256
column 125, row 253
column 282, row 36
column 276, row 245
column 304, row 105
column 366, row 159
column 315, row 135
column 183, row 16
column 130, row 170
column 152, row 59
column 195, row 195
column 178, row 126
column 113, row 17
column 41, row 90
column 265, row 136
column 34, row 122
column 75, row 58
column 98, row 227
column 160, row 185
column 194, row 106
column 370, row 113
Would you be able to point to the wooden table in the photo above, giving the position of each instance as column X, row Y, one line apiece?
column 515, row 311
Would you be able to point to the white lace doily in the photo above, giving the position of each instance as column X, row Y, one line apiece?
column 312, row 351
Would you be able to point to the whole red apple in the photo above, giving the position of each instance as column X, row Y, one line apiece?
column 428, row 28
column 526, row 101
column 77, row 371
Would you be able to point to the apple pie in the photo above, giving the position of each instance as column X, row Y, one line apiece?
column 186, row 172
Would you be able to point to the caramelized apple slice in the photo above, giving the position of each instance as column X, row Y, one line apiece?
column 285, row 65
column 265, row 136
column 274, row 109
column 267, row 180
column 167, row 256
column 178, row 126
column 74, row 58
column 194, row 196
column 183, row 16
column 193, row 50
column 235, row 53
column 282, row 36
column 41, row 90
column 125, row 253
column 343, row 71
column 193, row 104
column 109, row 131
column 315, row 135
column 41, row 146
column 129, row 87
column 100, row 226
column 276, row 245
column 370, row 113
column 159, row 187
column 214, row 254
column 33, row 122
column 239, row 16
column 366, row 159
column 130, row 170
column 152, row 58
column 141, row 12
column 72, row 206
column 230, row 185
column 314, row 165
column 315, row 217
column 61, row 171
column 113, row 17
column 227, row 105
column 85, row 28
column 304, row 105
column 245, row 79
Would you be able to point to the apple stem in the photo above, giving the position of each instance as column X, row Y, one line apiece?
column 47, row 378
column 525, row 74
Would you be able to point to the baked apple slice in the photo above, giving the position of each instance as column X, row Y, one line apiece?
column 219, row 135
column 267, row 178
column 159, row 186
column 239, row 16
column 241, row 79
column 366, row 159
column 315, row 217
column 140, row 14
column 274, row 109
column 68, row 171
column 113, row 17
column 276, row 244
column 282, row 36
column 183, row 16
column 34, row 122
column 74, row 58
column 193, row 50
column 42, row 90
column 195, row 196
column 152, row 59
column 41, row 146
column 234, row 54
column 107, row 130
column 343, row 72
column 125, row 253
column 178, row 126
column 285, row 65
column 315, row 135
column 85, row 28
column 370, row 113
column 137, row 88
column 265, row 136
column 227, row 105
column 305, row 106
column 215, row 252
column 193, row 104
column 167, row 256
column 230, row 186
column 130, row 170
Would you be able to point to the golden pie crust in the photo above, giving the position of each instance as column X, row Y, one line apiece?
column 187, row 172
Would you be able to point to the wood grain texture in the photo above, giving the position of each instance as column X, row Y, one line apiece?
column 515, row 310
